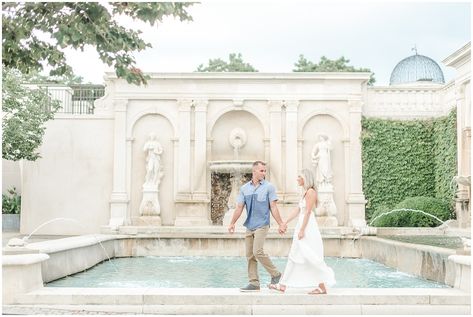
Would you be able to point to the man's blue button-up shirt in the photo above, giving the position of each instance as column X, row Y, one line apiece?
column 257, row 200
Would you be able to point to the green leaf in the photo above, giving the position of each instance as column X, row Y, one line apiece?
column 235, row 64
column 74, row 25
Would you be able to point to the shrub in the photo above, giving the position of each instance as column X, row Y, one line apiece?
column 404, row 218
column 11, row 202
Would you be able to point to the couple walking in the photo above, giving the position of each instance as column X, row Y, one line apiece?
column 305, row 266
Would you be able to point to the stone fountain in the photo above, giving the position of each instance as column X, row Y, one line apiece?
column 227, row 177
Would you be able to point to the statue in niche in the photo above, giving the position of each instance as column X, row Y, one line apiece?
column 153, row 150
column 326, row 209
column 321, row 161
column 150, row 208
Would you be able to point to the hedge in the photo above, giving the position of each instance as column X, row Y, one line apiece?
column 404, row 159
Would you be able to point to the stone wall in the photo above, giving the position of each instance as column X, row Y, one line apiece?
column 72, row 179
column 92, row 166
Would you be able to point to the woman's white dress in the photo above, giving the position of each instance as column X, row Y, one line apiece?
column 305, row 265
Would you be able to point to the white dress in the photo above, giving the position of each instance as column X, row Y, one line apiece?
column 305, row 264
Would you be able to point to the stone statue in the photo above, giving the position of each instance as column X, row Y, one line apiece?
column 326, row 209
column 321, row 161
column 153, row 160
column 150, row 208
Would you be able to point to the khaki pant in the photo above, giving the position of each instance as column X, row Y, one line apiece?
column 254, row 240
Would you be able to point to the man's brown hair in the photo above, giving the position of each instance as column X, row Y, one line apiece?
column 259, row 162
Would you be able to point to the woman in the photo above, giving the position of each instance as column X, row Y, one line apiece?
column 305, row 266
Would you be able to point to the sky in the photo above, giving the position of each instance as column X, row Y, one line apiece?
column 271, row 35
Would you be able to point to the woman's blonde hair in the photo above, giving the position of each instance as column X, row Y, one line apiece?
column 309, row 179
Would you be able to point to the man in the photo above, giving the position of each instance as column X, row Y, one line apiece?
column 259, row 197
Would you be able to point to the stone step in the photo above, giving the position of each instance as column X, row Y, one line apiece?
column 409, row 310
column 232, row 296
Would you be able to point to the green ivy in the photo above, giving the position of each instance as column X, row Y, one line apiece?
column 445, row 157
column 404, row 159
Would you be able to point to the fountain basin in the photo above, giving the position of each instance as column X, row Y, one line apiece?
column 228, row 272
column 231, row 166
column 79, row 253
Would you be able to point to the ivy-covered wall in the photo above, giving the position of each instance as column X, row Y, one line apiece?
column 445, row 156
column 404, row 159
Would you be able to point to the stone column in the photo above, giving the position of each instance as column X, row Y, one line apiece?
column 184, row 150
column 355, row 199
column 200, row 151
column 460, row 126
column 119, row 198
column 343, row 218
column 463, row 194
column 191, row 207
column 275, row 146
column 291, row 151
column 129, row 151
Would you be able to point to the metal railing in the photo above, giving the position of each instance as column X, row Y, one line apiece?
column 76, row 99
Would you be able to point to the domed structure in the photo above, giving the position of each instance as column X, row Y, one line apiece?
column 416, row 69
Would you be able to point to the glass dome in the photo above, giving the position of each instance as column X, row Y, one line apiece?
column 417, row 69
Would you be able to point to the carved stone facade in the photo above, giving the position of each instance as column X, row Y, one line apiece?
column 246, row 117
column 194, row 115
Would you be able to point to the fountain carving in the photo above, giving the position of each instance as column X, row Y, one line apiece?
column 462, row 187
column 227, row 177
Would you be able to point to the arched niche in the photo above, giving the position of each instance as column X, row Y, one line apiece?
column 222, row 149
column 330, row 126
column 163, row 129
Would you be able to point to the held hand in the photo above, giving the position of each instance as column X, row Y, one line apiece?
column 301, row 234
column 282, row 228
column 231, row 228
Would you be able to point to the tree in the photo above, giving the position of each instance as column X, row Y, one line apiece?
column 329, row 65
column 235, row 64
column 35, row 77
column 77, row 25
column 24, row 113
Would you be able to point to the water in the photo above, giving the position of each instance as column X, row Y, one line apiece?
column 450, row 242
column 48, row 222
column 25, row 239
column 436, row 241
column 228, row 272
column 410, row 210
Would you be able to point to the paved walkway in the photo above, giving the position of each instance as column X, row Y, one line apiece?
column 54, row 310
column 205, row 301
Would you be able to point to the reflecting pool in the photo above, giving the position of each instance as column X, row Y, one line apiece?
column 228, row 272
